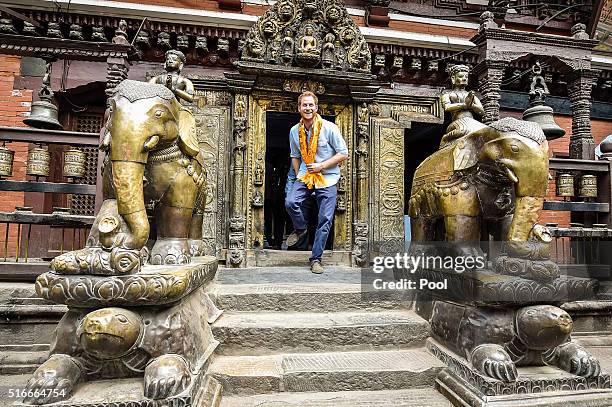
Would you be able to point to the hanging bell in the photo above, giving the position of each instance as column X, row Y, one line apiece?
column 44, row 112
column 543, row 115
column 38, row 162
column 588, row 186
column 565, row 185
column 74, row 163
column 6, row 162
column 538, row 112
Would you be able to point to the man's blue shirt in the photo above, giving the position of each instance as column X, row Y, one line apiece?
column 329, row 144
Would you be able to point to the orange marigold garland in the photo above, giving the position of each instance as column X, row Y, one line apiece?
column 309, row 152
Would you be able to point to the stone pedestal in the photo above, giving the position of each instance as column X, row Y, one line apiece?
column 541, row 386
column 504, row 345
column 141, row 339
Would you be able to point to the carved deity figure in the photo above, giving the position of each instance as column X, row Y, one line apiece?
column 308, row 43
column 462, row 105
column 172, row 79
column 254, row 47
column 308, row 53
column 287, row 48
column 328, row 55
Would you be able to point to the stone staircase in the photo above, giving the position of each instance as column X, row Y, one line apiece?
column 26, row 328
column 292, row 338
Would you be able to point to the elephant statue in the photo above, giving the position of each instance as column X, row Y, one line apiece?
column 153, row 169
column 495, row 176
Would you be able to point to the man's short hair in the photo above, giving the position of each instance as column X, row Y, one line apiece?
column 178, row 53
column 308, row 93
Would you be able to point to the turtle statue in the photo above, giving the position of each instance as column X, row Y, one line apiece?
column 168, row 347
column 495, row 341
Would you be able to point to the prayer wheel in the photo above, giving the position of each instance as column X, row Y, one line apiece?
column 588, row 186
column 565, row 185
column 6, row 162
column 74, row 163
column 38, row 162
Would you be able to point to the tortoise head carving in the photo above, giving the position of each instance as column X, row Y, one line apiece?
column 543, row 326
column 109, row 333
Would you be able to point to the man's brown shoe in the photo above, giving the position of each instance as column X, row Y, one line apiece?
column 316, row 267
column 294, row 237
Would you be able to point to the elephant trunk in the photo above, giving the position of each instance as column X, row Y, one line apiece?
column 525, row 217
column 127, row 182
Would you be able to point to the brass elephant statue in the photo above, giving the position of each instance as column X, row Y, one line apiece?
column 494, row 176
column 153, row 169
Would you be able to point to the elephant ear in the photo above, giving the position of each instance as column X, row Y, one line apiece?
column 188, row 140
column 466, row 152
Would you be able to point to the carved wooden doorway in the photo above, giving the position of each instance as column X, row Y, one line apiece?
column 259, row 105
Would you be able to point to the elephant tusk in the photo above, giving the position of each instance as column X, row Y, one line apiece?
column 511, row 175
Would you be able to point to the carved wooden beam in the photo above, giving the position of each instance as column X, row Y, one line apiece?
column 377, row 15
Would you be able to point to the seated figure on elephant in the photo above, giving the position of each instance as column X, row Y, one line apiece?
column 463, row 106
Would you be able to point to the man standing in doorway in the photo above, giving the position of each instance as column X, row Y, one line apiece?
column 317, row 147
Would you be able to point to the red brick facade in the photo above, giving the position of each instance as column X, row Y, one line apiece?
column 13, row 102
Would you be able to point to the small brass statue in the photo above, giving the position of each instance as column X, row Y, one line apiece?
column 496, row 341
column 328, row 54
column 173, row 80
column 463, row 105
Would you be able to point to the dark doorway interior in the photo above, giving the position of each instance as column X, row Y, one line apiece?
column 277, row 224
column 420, row 141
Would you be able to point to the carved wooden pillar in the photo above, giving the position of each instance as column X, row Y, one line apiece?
column 360, row 246
column 579, row 88
column 237, row 171
column 116, row 71
column 240, row 86
column 490, row 75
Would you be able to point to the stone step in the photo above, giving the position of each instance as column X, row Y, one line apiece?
column 323, row 372
column 12, row 291
column 28, row 324
column 313, row 297
column 272, row 258
column 19, row 359
column 424, row 397
column 287, row 275
column 9, row 384
column 274, row 332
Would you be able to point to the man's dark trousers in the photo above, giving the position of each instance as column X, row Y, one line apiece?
column 326, row 201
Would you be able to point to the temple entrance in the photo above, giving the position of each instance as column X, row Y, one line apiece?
column 277, row 224
column 420, row 141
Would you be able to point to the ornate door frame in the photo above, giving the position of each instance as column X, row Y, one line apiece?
column 259, row 103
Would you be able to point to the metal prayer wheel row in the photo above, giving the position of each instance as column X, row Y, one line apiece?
column 39, row 160
column 587, row 187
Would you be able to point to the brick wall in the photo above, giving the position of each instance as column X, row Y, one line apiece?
column 13, row 102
